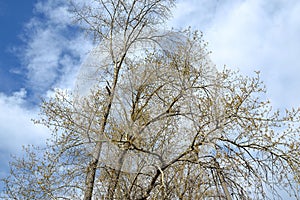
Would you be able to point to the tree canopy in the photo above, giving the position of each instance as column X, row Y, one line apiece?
column 159, row 122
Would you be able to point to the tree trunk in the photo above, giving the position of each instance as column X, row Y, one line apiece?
column 222, row 181
column 91, row 172
column 112, row 189
column 92, row 167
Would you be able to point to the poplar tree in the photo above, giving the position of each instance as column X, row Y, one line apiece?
column 159, row 122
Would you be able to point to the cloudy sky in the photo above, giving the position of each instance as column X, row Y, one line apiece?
column 41, row 50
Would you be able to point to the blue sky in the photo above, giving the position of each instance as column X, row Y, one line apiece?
column 12, row 25
column 40, row 50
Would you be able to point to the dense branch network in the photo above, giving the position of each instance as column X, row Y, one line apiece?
column 158, row 122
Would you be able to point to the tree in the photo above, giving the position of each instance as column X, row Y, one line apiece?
column 161, row 122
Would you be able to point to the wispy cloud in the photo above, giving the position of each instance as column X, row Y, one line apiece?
column 51, row 56
column 251, row 35
column 53, row 48
column 52, row 53
column 16, row 128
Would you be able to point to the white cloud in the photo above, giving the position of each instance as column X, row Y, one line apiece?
column 53, row 47
column 251, row 35
column 16, row 127
column 57, row 12
column 52, row 53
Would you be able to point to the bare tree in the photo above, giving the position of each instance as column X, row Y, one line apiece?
column 120, row 24
column 161, row 122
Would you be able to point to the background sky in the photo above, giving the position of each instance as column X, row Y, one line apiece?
column 40, row 49
column 11, row 27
